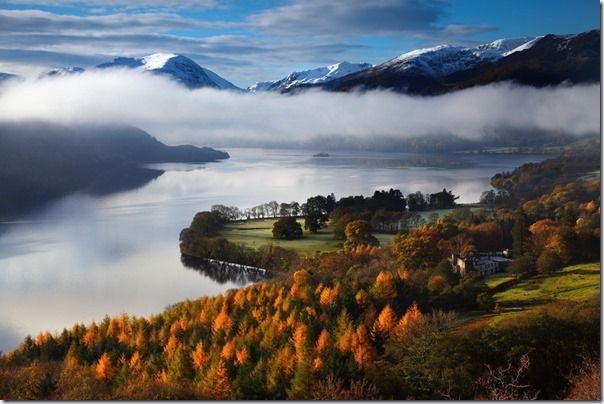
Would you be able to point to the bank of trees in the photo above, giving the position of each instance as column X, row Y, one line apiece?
column 358, row 318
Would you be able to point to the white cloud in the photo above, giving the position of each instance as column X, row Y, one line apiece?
column 177, row 115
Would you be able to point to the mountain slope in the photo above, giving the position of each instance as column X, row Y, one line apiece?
column 178, row 67
column 552, row 60
column 538, row 61
column 42, row 161
column 308, row 77
column 443, row 60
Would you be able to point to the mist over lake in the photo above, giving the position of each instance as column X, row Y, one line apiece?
column 83, row 256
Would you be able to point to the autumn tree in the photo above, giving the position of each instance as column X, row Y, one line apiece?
column 104, row 369
column 358, row 232
column 384, row 288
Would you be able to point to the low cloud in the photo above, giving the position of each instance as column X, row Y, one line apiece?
column 177, row 115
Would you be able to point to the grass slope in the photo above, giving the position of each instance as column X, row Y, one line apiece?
column 574, row 284
column 255, row 233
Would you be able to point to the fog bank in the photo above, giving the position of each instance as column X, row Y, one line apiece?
column 178, row 115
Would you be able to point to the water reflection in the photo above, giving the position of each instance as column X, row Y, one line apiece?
column 222, row 273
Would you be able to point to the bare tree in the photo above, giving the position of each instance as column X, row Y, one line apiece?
column 586, row 381
column 504, row 383
column 333, row 389
column 273, row 207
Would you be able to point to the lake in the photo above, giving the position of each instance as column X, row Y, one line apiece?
column 84, row 257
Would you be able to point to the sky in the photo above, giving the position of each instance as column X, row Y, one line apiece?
column 249, row 41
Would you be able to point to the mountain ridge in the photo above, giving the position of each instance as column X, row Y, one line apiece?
column 311, row 76
column 549, row 60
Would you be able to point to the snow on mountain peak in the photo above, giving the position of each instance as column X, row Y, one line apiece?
column 311, row 76
column 156, row 60
column 442, row 60
column 178, row 67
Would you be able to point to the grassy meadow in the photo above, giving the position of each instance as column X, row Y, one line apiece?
column 576, row 284
column 255, row 233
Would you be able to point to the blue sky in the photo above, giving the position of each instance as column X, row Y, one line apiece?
column 248, row 41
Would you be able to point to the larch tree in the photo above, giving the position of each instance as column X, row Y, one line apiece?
column 104, row 369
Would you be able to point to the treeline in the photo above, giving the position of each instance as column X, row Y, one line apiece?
column 384, row 210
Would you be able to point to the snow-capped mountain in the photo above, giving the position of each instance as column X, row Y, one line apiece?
column 540, row 61
column 178, row 67
column 312, row 76
column 443, row 60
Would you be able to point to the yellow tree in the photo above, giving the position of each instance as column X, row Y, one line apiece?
column 412, row 317
column 223, row 321
column 363, row 351
column 135, row 363
column 241, row 356
column 323, row 342
column 198, row 356
column 104, row 369
column 384, row 288
column 91, row 337
column 385, row 322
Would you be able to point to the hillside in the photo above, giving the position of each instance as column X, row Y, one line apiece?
column 41, row 161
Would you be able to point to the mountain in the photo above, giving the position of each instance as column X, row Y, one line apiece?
column 313, row 76
column 178, row 67
column 443, row 60
column 7, row 76
column 540, row 61
column 41, row 161
column 552, row 60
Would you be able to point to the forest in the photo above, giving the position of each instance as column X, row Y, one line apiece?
column 364, row 322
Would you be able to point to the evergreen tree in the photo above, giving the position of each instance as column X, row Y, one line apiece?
column 519, row 233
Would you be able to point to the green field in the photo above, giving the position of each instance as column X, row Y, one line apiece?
column 255, row 233
column 495, row 280
column 574, row 284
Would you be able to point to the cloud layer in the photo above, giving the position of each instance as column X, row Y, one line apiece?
column 178, row 115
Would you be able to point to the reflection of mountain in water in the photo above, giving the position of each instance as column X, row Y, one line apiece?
column 40, row 162
column 122, row 180
column 222, row 272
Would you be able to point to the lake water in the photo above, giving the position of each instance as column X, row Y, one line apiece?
column 87, row 256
